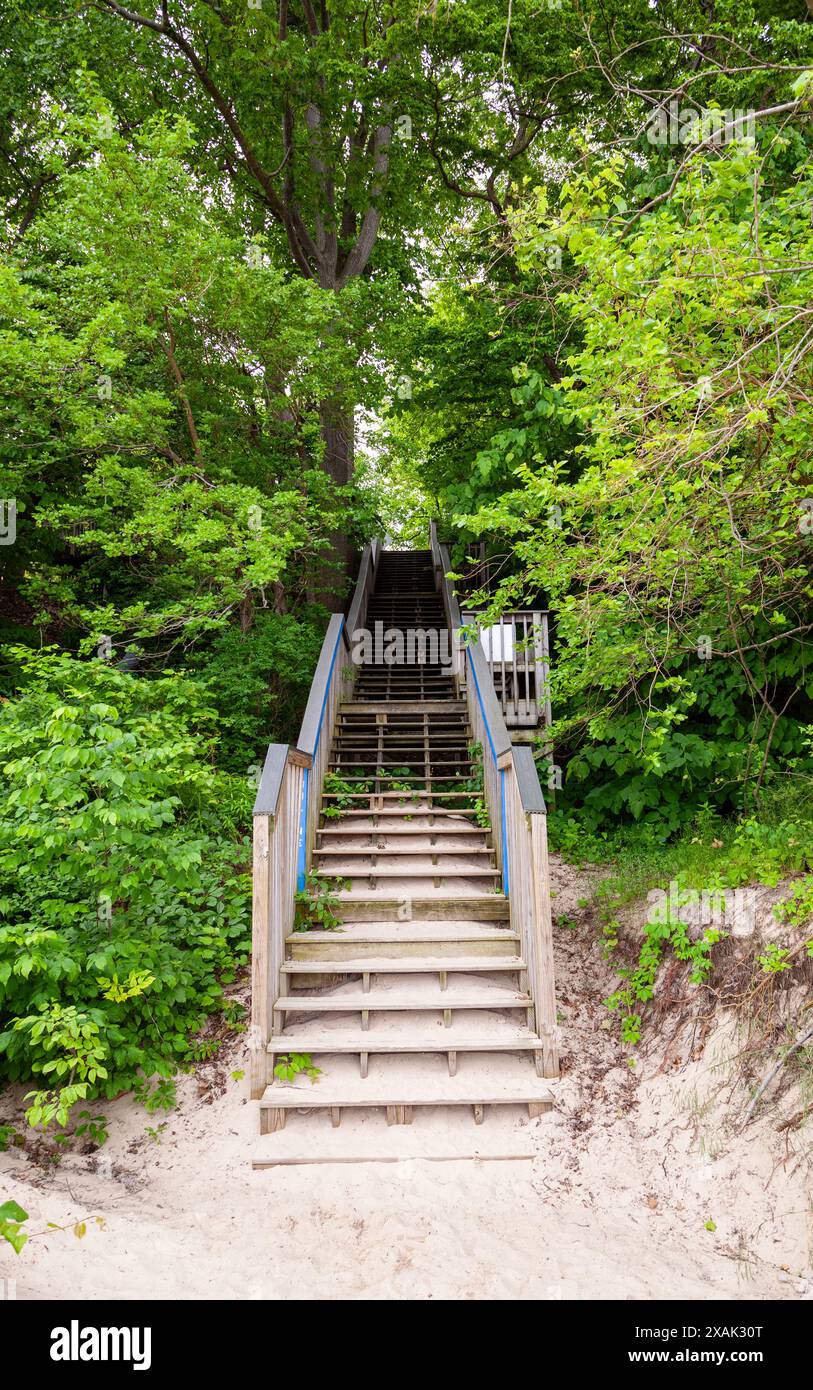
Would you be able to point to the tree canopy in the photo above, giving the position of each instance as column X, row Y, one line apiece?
column 281, row 277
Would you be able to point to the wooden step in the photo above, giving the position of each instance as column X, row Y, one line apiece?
column 432, row 871
column 442, row 814
column 328, row 1043
column 308, row 1140
column 414, row 965
column 342, row 764
column 429, row 1000
column 398, row 1084
column 481, row 907
column 406, row 831
column 419, row 707
column 331, row 1042
column 453, row 725
column 417, row 795
column 401, row 852
column 359, row 940
column 400, row 755
column 456, row 735
column 352, row 773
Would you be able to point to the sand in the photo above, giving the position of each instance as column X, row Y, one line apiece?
column 624, row 1176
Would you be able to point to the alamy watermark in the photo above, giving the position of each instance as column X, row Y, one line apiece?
column 683, row 125
column 403, row 646
column 75, row 1343
column 732, row 910
column 8, row 520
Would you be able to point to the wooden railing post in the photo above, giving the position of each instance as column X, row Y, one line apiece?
column 276, row 824
column 544, row 985
column 261, row 989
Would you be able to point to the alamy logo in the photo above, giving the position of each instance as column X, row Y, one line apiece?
column 77, row 1343
column 684, row 125
column 395, row 646
column 8, row 520
column 730, row 910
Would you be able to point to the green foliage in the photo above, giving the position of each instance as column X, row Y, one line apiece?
column 797, row 908
column 259, row 680
column 711, row 856
column 92, row 1128
column 774, row 959
column 293, row 1064
column 12, row 1220
column 171, row 473
column 665, row 520
column 341, row 793
column 8, row 1136
column 157, row 1093
column 316, row 905
column 473, row 783
column 639, row 982
column 398, row 779
column 123, row 903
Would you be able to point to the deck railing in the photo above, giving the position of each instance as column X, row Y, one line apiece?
column 286, row 812
column 517, row 649
column 518, row 817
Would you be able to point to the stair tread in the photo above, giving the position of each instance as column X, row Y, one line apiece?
column 435, row 998
column 353, row 770
column 403, row 706
column 352, row 895
column 364, row 1138
column 411, row 965
column 498, row 1080
column 404, row 797
column 406, row 830
column 397, row 852
column 395, row 812
column 450, row 930
column 441, row 1040
column 433, row 871
column 435, row 899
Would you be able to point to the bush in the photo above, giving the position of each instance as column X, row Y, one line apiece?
column 124, row 896
column 259, row 681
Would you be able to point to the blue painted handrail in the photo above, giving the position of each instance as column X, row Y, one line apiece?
column 313, row 721
column 302, row 850
column 503, row 828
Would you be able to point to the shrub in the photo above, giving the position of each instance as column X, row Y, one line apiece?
column 124, row 902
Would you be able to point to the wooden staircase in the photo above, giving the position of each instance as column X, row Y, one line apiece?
column 420, row 994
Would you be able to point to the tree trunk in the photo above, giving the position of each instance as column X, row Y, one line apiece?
column 337, row 425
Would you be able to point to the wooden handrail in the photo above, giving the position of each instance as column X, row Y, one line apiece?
column 498, row 735
column 276, row 831
column 285, row 815
column 450, row 597
column 518, row 817
column 529, row 787
column 312, row 720
column 270, row 786
column 364, row 586
column 327, row 689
